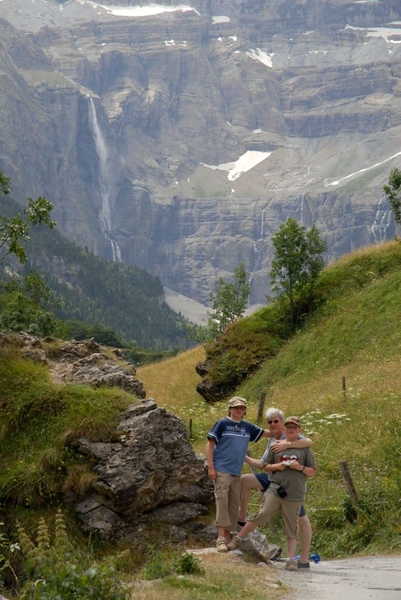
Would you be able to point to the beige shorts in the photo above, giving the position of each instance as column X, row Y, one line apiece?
column 227, row 490
column 271, row 505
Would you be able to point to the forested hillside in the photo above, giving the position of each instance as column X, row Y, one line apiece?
column 99, row 292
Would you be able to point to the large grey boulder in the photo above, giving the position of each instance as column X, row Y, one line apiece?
column 150, row 476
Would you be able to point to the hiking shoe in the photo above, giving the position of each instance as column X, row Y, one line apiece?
column 235, row 543
column 274, row 553
column 291, row 565
column 302, row 565
column 221, row 545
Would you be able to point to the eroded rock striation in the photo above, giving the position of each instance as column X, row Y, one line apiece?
column 179, row 139
column 149, row 479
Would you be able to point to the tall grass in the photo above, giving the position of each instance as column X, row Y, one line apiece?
column 38, row 422
column 172, row 384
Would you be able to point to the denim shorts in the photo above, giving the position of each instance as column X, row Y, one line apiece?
column 265, row 482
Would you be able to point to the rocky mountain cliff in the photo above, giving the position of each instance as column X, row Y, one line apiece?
column 179, row 137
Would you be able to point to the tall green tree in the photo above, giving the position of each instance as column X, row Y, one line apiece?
column 297, row 261
column 393, row 193
column 24, row 302
column 26, row 305
column 228, row 303
column 15, row 230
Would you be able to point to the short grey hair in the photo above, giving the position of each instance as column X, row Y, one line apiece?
column 274, row 412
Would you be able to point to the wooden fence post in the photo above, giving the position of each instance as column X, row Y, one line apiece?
column 348, row 482
column 262, row 398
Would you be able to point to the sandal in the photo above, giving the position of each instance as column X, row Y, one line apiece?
column 221, row 545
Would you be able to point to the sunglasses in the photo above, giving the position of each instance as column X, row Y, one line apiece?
column 275, row 421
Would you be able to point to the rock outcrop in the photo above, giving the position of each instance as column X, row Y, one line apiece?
column 149, row 478
column 142, row 128
column 81, row 362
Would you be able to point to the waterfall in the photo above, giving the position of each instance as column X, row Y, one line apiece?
column 256, row 261
column 262, row 224
column 105, row 185
column 382, row 221
column 302, row 209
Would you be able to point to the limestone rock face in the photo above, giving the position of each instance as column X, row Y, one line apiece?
column 179, row 139
column 151, row 475
column 80, row 362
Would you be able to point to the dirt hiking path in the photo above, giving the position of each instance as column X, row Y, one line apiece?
column 364, row 578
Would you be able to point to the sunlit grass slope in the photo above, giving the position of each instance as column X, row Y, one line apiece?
column 341, row 374
column 172, row 384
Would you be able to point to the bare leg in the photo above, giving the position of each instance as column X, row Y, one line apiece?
column 248, row 483
column 306, row 537
column 291, row 547
column 247, row 528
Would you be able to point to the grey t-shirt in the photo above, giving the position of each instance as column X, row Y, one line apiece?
column 293, row 481
column 272, row 441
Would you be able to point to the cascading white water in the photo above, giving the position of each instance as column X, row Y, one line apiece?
column 262, row 224
column 382, row 221
column 256, row 251
column 105, row 186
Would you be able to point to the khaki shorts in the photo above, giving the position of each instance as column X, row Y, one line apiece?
column 227, row 490
column 271, row 505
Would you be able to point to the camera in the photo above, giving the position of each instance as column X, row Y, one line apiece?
column 281, row 491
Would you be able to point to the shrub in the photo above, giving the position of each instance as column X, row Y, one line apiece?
column 55, row 573
column 189, row 564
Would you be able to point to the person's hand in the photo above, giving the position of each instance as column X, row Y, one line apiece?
column 280, row 466
column 211, row 472
column 279, row 445
column 295, row 465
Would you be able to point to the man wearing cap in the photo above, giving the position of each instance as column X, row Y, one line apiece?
column 288, row 469
column 225, row 453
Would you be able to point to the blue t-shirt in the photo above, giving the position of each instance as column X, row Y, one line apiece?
column 232, row 439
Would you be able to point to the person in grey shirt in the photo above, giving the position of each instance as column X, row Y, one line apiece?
column 289, row 469
column 275, row 421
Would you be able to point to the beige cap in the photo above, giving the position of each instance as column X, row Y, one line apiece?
column 293, row 420
column 237, row 401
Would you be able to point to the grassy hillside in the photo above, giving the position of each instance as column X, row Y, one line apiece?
column 251, row 341
column 354, row 338
column 340, row 373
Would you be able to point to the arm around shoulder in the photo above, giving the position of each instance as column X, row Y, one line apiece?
column 302, row 442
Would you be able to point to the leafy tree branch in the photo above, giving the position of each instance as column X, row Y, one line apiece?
column 15, row 230
column 393, row 193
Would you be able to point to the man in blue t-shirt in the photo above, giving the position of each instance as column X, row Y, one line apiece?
column 226, row 449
